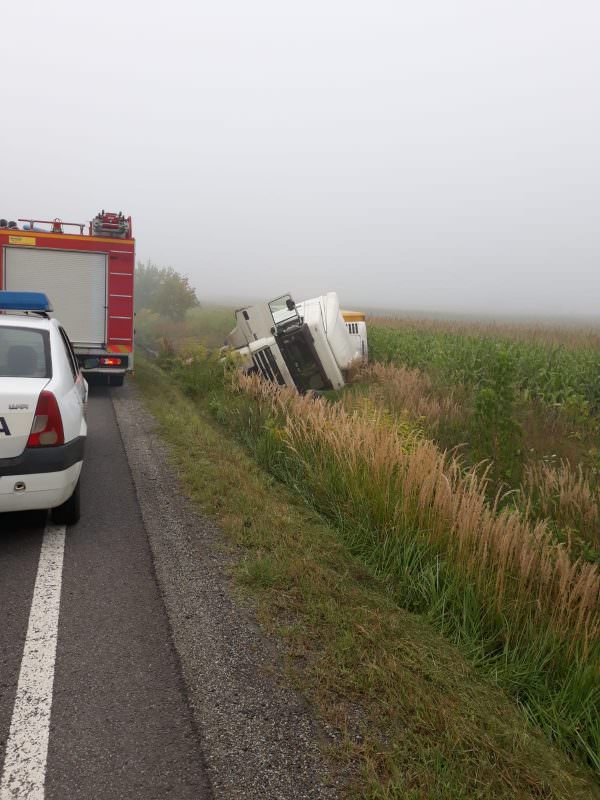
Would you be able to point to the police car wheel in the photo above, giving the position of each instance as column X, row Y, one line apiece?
column 70, row 511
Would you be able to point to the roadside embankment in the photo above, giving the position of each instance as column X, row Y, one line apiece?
column 408, row 716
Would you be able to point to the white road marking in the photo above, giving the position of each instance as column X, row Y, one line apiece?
column 24, row 771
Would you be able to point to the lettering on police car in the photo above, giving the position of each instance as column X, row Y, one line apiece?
column 4, row 427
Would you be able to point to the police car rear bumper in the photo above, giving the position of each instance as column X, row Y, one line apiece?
column 38, row 460
column 38, row 491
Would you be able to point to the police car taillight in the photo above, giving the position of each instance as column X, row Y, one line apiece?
column 47, row 429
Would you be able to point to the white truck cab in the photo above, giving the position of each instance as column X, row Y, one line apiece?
column 307, row 345
column 43, row 395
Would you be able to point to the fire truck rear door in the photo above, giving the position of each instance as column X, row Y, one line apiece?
column 75, row 282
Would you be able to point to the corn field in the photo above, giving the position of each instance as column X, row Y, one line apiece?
column 553, row 373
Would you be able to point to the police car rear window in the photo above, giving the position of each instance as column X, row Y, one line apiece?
column 24, row 353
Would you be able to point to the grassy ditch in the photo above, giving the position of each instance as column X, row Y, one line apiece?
column 495, row 584
column 416, row 719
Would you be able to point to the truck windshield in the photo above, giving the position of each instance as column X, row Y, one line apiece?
column 24, row 353
column 281, row 310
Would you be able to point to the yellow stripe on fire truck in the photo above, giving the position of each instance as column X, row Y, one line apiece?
column 119, row 348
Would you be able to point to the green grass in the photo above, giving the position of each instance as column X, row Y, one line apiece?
column 416, row 720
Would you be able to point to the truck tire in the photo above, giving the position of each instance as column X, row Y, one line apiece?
column 70, row 511
column 116, row 380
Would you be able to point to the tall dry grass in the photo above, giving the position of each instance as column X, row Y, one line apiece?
column 409, row 392
column 491, row 577
column 566, row 495
column 412, row 485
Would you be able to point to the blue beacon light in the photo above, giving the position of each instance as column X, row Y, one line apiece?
column 25, row 301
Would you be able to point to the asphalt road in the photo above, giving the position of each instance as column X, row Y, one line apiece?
column 118, row 721
column 130, row 665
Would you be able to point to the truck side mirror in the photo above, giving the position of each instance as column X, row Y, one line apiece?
column 290, row 304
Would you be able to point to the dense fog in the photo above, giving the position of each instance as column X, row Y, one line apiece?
column 433, row 155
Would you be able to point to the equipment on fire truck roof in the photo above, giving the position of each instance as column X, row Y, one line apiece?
column 57, row 225
column 107, row 224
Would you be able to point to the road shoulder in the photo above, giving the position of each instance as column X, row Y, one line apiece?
column 258, row 735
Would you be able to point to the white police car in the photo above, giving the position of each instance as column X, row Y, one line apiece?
column 42, row 410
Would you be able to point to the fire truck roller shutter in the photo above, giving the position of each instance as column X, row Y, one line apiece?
column 74, row 282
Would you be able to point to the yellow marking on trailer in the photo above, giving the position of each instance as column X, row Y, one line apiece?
column 353, row 316
column 27, row 240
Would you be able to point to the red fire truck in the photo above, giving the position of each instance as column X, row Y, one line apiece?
column 87, row 271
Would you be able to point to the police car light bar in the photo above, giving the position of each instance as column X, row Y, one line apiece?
column 36, row 302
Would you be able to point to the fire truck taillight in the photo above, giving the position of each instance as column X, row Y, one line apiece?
column 110, row 362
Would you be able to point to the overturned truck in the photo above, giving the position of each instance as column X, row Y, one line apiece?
column 309, row 345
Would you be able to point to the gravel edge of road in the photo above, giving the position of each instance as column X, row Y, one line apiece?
column 259, row 737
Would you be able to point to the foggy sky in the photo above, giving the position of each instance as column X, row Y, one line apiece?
column 431, row 154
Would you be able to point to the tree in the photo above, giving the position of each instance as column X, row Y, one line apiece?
column 163, row 290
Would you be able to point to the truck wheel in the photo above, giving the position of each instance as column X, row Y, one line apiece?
column 116, row 380
column 70, row 511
